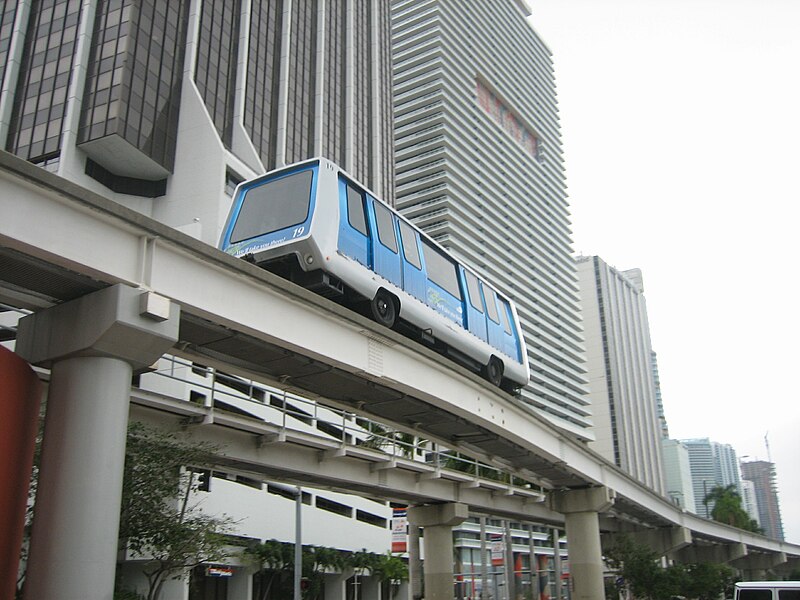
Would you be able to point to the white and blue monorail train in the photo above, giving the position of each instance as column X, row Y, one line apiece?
column 312, row 223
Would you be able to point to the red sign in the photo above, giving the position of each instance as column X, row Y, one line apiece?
column 399, row 528
column 497, row 549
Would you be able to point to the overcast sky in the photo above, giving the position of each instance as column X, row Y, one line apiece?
column 681, row 131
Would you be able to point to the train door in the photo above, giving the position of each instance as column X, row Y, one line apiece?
column 442, row 288
column 495, row 328
column 413, row 275
column 385, row 251
column 354, row 238
column 476, row 317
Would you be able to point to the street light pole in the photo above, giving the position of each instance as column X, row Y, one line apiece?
column 298, row 542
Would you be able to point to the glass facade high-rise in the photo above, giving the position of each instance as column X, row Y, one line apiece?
column 163, row 104
column 620, row 361
column 479, row 168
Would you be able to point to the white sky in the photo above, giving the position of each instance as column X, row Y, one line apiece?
column 681, row 130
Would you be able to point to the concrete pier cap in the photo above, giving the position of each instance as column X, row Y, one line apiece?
column 432, row 515
column 92, row 345
column 133, row 325
column 592, row 499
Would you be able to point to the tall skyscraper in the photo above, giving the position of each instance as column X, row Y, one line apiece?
column 619, row 361
column 479, row 168
column 726, row 465
column 704, row 474
column 762, row 474
column 163, row 107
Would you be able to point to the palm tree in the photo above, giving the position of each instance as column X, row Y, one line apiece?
column 728, row 508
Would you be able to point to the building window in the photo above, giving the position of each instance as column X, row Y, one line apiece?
column 40, row 101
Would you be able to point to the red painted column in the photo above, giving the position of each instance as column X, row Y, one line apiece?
column 20, row 394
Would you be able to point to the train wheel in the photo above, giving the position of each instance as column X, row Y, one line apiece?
column 384, row 309
column 493, row 372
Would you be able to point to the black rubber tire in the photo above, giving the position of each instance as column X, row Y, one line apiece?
column 384, row 309
column 493, row 372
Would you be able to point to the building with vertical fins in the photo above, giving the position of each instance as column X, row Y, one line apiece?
column 165, row 105
column 628, row 428
column 762, row 474
column 479, row 168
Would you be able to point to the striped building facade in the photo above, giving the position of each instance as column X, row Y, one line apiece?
column 479, row 168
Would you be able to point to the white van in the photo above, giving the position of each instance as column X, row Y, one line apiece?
column 767, row 590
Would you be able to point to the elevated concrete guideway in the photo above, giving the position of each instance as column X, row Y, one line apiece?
column 59, row 243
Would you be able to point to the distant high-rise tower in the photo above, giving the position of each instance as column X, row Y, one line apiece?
column 620, row 365
column 726, row 465
column 479, row 168
column 713, row 465
column 762, row 474
column 704, row 474
column 163, row 107
column 678, row 474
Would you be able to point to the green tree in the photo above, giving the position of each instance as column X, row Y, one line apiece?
column 391, row 571
column 728, row 508
column 646, row 579
column 276, row 559
column 708, row 581
column 158, row 520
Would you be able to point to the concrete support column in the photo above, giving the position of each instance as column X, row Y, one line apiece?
column 414, row 563
column 580, row 509
column 438, row 521
column 92, row 346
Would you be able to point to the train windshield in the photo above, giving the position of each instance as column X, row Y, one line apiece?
column 273, row 205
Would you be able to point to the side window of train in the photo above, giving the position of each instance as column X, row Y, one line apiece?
column 386, row 234
column 474, row 292
column 441, row 270
column 504, row 314
column 409, row 240
column 355, row 210
column 491, row 304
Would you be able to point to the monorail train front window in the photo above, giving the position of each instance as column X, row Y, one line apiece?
column 273, row 206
